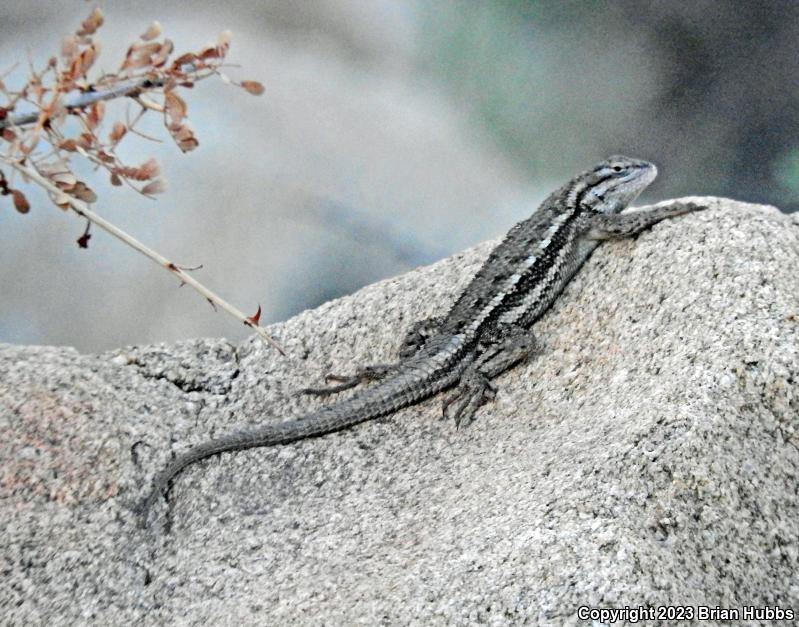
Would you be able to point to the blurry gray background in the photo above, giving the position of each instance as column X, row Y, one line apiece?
column 391, row 134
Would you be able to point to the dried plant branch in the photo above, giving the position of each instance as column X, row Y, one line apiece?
column 37, row 145
column 85, row 99
column 80, row 207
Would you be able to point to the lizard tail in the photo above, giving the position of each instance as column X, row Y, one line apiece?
column 413, row 384
column 327, row 420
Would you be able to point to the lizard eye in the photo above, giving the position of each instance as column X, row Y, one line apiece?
column 616, row 168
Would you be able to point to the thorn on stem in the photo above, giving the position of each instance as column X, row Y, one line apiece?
column 254, row 319
column 83, row 240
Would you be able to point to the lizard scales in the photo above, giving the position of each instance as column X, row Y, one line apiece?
column 487, row 330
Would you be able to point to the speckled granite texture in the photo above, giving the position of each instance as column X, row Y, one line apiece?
column 648, row 456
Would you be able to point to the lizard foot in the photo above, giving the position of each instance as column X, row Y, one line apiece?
column 472, row 392
column 367, row 373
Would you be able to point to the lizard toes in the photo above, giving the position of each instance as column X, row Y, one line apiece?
column 470, row 395
column 346, row 382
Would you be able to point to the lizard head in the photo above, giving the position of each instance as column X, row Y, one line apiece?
column 614, row 183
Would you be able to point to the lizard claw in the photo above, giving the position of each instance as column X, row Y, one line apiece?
column 474, row 390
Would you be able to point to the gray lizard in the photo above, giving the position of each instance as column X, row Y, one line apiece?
column 487, row 330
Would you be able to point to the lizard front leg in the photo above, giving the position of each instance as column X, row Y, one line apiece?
column 509, row 345
column 616, row 226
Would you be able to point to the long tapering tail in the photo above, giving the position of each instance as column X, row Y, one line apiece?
column 326, row 420
column 419, row 379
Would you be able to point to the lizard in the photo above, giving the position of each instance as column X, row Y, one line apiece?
column 486, row 331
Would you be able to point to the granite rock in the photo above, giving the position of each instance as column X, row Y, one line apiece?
column 648, row 456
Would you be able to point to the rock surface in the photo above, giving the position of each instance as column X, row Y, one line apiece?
column 648, row 456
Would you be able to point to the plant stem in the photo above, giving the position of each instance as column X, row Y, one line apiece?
column 83, row 210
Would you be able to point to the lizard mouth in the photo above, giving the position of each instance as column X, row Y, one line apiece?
column 630, row 186
column 624, row 180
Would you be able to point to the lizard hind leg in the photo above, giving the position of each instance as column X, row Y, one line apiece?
column 414, row 340
column 374, row 372
column 417, row 336
column 516, row 345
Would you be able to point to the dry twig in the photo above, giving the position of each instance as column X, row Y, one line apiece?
column 35, row 144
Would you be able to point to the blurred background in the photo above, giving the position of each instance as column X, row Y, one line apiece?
column 391, row 134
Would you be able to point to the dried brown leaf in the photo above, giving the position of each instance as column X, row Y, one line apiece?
column 140, row 55
column 149, row 49
column 70, row 145
column 149, row 169
column 90, row 25
column 184, row 59
column 62, row 200
column 211, row 52
column 188, row 144
column 175, row 107
column 128, row 57
column 21, row 203
column 9, row 135
column 117, row 132
column 180, row 131
column 115, row 180
column 81, row 63
column 161, row 56
column 154, row 187
column 63, row 180
column 85, row 141
column 105, row 157
column 184, row 137
column 90, row 55
column 83, row 192
column 96, row 113
column 145, row 172
column 169, row 84
column 253, row 87
column 153, row 31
